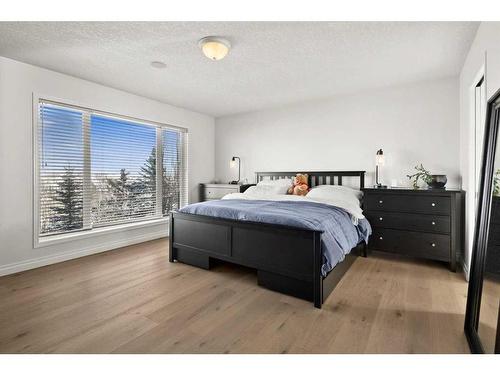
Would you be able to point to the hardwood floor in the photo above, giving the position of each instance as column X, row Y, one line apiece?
column 132, row 300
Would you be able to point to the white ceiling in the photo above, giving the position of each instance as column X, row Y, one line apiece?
column 270, row 64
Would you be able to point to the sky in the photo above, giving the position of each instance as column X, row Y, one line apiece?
column 114, row 143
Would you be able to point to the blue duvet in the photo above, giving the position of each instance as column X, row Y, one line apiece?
column 339, row 234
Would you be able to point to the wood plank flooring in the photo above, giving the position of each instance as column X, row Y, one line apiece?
column 132, row 300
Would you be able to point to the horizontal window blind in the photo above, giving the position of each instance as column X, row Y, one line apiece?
column 96, row 169
column 123, row 158
column 61, row 158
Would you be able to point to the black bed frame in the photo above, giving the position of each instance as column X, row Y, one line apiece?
column 287, row 259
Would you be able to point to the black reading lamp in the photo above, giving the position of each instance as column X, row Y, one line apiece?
column 233, row 164
column 379, row 161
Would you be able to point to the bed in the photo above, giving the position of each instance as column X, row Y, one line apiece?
column 290, row 256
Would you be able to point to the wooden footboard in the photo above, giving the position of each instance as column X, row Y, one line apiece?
column 287, row 259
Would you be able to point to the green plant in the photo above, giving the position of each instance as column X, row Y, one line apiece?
column 496, row 183
column 422, row 174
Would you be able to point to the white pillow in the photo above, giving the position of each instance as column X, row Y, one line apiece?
column 339, row 196
column 281, row 184
column 266, row 190
column 329, row 192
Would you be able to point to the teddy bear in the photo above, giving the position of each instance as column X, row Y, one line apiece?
column 299, row 186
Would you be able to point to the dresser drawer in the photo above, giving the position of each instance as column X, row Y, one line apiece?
column 218, row 192
column 422, row 245
column 414, row 222
column 414, row 203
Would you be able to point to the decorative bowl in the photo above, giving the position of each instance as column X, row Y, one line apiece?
column 438, row 181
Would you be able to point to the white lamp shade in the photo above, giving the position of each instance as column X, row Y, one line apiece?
column 232, row 163
column 379, row 160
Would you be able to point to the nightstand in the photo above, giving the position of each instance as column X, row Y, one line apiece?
column 217, row 191
column 419, row 223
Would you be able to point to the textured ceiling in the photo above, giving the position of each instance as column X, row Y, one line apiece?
column 270, row 63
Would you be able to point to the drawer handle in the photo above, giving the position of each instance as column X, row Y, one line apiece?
column 433, row 244
column 433, row 223
column 381, row 238
column 433, row 204
column 381, row 218
column 380, row 202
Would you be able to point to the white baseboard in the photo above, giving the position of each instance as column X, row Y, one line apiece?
column 466, row 270
column 56, row 258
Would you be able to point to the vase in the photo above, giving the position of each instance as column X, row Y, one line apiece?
column 438, row 181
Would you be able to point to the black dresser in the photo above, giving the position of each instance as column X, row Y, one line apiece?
column 419, row 223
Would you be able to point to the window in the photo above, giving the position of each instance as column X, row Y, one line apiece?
column 96, row 169
column 123, row 170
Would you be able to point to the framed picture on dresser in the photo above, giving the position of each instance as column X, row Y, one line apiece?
column 482, row 315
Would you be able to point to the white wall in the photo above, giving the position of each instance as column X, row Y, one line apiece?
column 484, row 54
column 413, row 124
column 18, row 81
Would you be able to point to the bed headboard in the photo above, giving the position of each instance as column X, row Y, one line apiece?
column 316, row 178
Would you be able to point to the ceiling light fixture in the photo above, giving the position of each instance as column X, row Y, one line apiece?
column 214, row 47
column 158, row 64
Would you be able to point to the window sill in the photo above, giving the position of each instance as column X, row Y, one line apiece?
column 61, row 238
